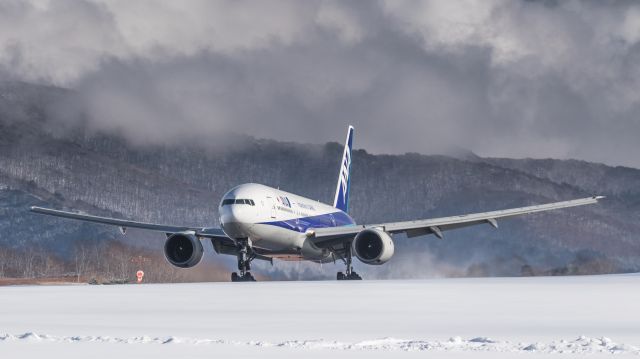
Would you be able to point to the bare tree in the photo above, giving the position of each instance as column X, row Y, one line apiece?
column 4, row 259
column 81, row 260
column 28, row 263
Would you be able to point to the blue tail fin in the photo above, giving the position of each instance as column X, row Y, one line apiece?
column 341, row 201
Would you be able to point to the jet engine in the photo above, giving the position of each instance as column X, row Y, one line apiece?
column 183, row 250
column 373, row 246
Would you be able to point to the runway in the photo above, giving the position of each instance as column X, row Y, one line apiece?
column 483, row 317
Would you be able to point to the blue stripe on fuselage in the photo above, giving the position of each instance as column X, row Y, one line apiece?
column 335, row 219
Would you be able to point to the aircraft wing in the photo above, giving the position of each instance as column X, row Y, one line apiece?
column 325, row 237
column 207, row 232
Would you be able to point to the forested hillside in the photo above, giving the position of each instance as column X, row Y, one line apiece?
column 43, row 162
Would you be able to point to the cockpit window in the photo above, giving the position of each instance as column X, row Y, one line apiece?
column 238, row 201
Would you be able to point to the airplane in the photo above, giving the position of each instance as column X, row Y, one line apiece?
column 265, row 223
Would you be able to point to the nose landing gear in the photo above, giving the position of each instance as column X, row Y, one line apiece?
column 245, row 256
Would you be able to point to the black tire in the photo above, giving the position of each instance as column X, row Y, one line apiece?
column 340, row 276
column 234, row 277
column 352, row 276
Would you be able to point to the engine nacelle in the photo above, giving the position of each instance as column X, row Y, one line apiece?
column 373, row 246
column 183, row 250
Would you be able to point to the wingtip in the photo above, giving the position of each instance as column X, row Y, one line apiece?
column 599, row 197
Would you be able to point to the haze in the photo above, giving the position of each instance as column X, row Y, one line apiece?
column 501, row 78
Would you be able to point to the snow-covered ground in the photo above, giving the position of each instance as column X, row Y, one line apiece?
column 561, row 317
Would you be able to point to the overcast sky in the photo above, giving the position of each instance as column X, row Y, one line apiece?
column 502, row 78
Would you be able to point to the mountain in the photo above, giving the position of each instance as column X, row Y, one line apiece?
column 64, row 165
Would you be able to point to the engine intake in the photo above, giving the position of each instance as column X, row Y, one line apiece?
column 183, row 250
column 373, row 246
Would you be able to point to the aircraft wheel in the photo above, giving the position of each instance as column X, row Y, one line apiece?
column 341, row 276
column 248, row 277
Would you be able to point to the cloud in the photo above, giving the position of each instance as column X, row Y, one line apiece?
column 502, row 78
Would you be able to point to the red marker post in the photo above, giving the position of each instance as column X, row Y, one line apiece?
column 140, row 275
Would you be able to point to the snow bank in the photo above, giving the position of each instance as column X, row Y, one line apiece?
column 580, row 345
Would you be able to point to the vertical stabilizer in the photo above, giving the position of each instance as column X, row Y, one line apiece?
column 341, row 200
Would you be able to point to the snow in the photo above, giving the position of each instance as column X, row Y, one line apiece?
column 453, row 318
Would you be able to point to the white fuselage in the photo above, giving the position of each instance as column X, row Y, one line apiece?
column 276, row 221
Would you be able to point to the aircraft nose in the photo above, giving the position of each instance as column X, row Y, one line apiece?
column 236, row 213
column 229, row 215
column 235, row 221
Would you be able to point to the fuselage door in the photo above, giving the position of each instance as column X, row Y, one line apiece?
column 272, row 203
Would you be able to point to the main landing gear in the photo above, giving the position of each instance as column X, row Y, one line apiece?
column 349, row 273
column 245, row 256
